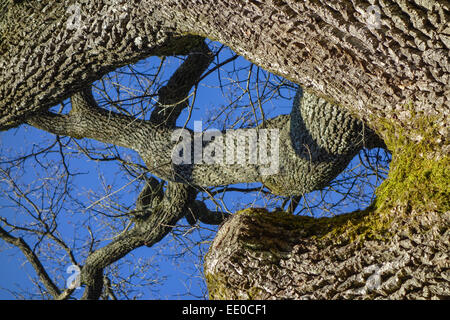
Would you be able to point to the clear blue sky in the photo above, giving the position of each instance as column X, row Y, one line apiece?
column 183, row 275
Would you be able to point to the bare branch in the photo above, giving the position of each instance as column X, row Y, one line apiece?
column 33, row 260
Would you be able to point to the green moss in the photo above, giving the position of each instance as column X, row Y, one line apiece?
column 342, row 228
column 217, row 286
column 254, row 293
column 218, row 289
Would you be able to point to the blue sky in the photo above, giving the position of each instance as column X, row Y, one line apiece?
column 174, row 266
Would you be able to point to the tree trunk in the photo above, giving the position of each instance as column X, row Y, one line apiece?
column 395, row 77
column 396, row 249
column 49, row 50
column 261, row 255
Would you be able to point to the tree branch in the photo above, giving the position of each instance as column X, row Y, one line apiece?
column 148, row 231
column 315, row 144
column 326, row 47
column 199, row 212
column 34, row 261
column 173, row 97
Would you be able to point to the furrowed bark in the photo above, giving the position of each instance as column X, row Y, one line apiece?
column 50, row 50
column 395, row 249
column 395, row 78
column 305, row 151
column 157, row 211
column 315, row 143
column 326, row 46
column 263, row 255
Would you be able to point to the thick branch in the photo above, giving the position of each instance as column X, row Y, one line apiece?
column 87, row 120
column 173, row 97
column 263, row 255
column 326, row 46
column 50, row 50
column 198, row 211
column 297, row 154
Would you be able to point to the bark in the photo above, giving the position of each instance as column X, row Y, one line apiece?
column 326, row 46
column 395, row 78
column 157, row 210
column 395, row 249
column 50, row 50
column 150, row 228
column 266, row 255
column 310, row 148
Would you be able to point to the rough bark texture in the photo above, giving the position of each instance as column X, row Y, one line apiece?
column 396, row 249
column 50, row 49
column 316, row 143
column 157, row 210
column 326, row 46
column 262, row 255
column 396, row 78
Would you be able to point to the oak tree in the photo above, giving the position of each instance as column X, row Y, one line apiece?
column 365, row 85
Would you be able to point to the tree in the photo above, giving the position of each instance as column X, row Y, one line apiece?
column 387, row 80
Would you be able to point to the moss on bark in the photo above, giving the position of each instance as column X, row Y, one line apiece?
column 417, row 185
